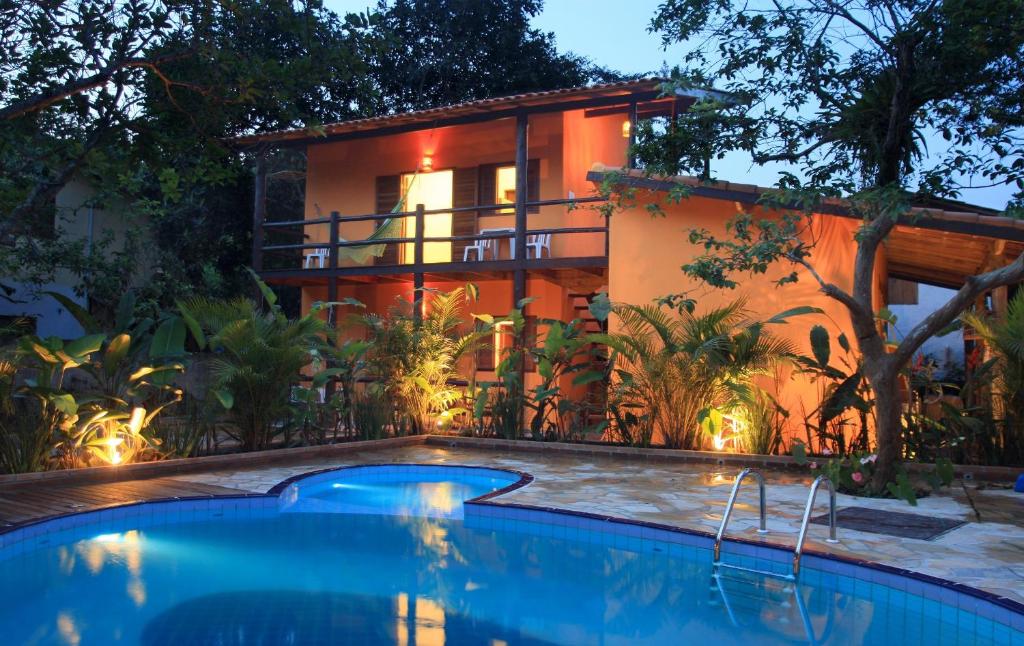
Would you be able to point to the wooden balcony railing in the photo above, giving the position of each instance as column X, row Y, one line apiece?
column 293, row 256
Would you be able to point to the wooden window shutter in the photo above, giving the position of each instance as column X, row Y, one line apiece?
column 389, row 191
column 464, row 194
column 533, row 184
column 488, row 183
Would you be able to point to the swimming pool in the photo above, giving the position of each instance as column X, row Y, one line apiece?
column 394, row 490
column 246, row 570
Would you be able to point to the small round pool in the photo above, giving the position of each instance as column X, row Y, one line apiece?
column 394, row 490
column 247, row 570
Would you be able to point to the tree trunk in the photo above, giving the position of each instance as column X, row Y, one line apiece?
column 888, row 424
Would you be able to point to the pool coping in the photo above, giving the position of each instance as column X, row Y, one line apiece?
column 524, row 477
column 256, row 459
column 487, row 501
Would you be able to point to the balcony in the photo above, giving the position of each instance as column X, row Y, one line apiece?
column 398, row 258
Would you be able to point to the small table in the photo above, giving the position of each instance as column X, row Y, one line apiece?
column 505, row 232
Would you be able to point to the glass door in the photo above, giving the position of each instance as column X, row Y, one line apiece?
column 434, row 191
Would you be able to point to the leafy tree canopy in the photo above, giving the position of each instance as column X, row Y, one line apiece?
column 441, row 52
column 849, row 92
column 137, row 97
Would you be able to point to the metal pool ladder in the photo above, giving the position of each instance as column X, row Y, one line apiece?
column 798, row 550
column 732, row 501
column 791, row 578
column 763, row 528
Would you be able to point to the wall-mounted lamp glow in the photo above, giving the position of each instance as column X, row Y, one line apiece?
column 626, row 128
column 427, row 163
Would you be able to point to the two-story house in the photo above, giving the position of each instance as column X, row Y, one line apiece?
column 501, row 192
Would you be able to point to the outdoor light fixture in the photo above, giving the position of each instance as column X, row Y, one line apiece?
column 427, row 164
column 626, row 128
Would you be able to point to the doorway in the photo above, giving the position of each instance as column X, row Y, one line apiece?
column 434, row 191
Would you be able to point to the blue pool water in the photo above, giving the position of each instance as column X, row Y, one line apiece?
column 394, row 490
column 237, row 572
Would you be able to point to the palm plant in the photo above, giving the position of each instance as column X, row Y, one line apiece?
column 257, row 357
column 1005, row 338
column 418, row 360
column 678, row 367
column 26, row 426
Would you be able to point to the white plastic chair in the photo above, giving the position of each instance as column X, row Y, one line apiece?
column 319, row 256
column 480, row 247
column 538, row 243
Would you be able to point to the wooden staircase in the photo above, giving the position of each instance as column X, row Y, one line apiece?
column 597, row 392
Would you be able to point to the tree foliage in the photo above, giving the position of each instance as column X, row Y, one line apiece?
column 135, row 97
column 879, row 101
column 441, row 52
column 138, row 97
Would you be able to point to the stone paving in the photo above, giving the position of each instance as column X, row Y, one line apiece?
column 986, row 553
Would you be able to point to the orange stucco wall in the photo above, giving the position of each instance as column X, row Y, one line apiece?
column 645, row 253
column 495, row 298
column 341, row 175
column 644, row 264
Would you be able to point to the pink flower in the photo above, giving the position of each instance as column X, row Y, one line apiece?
column 826, row 452
column 814, row 465
column 857, row 476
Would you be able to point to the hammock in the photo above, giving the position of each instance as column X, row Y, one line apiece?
column 389, row 228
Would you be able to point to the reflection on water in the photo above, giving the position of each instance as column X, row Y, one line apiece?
column 372, row 579
column 399, row 494
column 438, row 497
column 271, row 617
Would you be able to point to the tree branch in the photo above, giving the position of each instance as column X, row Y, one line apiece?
column 974, row 287
column 844, row 13
column 793, row 156
column 831, row 289
column 42, row 100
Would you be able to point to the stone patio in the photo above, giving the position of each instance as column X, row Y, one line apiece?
column 987, row 552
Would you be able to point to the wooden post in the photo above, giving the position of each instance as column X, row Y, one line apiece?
column 519, row 241
column 332, row 315
column 259, row 211
column 630, row 161
column 332, row 263
column 417, row 276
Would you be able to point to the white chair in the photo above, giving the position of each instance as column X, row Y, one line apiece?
column 478, row 246
column 317, row 255
column 538, row 243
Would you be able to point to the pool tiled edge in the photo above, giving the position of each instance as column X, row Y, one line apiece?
column 644, row 536
column 486, row 513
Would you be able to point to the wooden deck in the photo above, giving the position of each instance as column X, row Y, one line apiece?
column 24, row 503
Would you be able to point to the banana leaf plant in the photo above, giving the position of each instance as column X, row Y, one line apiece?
column 842, row 390
column 566, row 351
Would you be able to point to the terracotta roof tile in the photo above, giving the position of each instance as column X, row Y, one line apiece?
column 480, row 106
column 962, row 217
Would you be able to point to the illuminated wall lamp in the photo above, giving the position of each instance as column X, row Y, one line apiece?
column 627, row 128
column 427, row 163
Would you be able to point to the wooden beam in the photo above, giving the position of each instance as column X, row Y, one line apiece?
column 417, row 279
column 332, row 263
column 630, row 162
column 646, row 110
column 596, row 263
column 259, row 210
column 431, row 124
column 519, row 242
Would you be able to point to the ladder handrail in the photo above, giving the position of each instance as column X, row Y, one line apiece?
column 732, row 501
column 807, row 518
column 805, row 617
